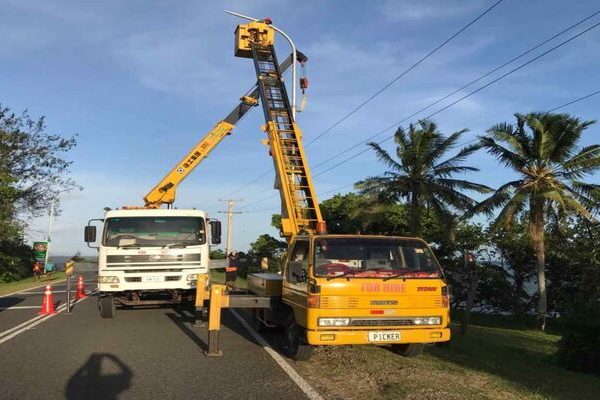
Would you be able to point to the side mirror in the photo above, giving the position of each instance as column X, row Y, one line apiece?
column 215, row 232
column 89, row 234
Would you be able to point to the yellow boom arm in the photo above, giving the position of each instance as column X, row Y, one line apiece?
column 164, row 192
column 300, row 212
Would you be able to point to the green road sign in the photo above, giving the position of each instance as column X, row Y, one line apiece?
column 39, row 250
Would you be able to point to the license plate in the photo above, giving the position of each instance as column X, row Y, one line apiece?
column 153, row 279
column 384, row 336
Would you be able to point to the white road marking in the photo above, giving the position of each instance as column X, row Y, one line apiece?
column 188, row 314
column 53, row 291
column 308, row 390
column 25, row 326
column 18, row 307
column 31, row 288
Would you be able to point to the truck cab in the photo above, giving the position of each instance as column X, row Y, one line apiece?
column 151, row 256
column 355, row 289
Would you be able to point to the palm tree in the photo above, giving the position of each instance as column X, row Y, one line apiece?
column 542, row 149
column 421, row 178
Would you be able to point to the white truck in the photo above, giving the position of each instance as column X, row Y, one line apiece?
column 151, row 256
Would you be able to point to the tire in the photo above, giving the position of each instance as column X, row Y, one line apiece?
column 295, row 346
column 107, row 307
column 408, row 349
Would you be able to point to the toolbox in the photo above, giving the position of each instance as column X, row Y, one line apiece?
column 265, row 284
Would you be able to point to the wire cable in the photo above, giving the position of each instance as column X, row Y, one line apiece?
column 345, row 151
column 387, row 86
column 397, row 78
column 467, row 95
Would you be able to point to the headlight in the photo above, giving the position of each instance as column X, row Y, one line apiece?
column 427, row 321
column 108, row 279
column 334, row 321
column 192, row 277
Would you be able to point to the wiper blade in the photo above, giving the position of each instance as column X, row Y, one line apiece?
column 350, row 272
column 129, row 246
column 173, row 245
column 409, row 273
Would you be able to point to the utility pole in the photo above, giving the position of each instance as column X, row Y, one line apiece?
column 230, row 212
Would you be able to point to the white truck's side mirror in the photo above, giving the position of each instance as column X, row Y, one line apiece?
column 215, row 232
column 89, row 234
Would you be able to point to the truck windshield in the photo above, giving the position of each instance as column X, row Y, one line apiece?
column 374, row 257
column 154, row 231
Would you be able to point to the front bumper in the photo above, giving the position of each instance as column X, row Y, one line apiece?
column 336, row 337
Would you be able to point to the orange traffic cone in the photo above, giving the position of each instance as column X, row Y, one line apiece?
column 80, row 289
column 47, row 303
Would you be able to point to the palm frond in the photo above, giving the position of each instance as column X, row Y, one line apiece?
column 384, row 156
column 460, row 184
column 506, row 156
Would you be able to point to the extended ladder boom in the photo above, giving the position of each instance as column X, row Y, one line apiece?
column 164, row 192
column 300, row 211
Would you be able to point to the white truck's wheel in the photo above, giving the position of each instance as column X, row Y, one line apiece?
column 107, row 307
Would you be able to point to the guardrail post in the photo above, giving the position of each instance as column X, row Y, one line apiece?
column 217, row 293
column 201, row 296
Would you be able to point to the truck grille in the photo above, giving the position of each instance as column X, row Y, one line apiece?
column 133, row 279
column 339, row 302
column 172, row 278
column 143, row 258
column 380, row 322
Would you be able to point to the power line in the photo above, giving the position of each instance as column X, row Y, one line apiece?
column 345, row 151
column 467, row 95
column 459, row 145
column 387, row 86
column 575, row 101
column 463, row 97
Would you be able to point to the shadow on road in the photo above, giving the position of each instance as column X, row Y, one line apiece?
column 89, row 382
column 184, row 322
column 9, row 302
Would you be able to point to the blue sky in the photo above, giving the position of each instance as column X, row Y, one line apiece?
column 140, row 82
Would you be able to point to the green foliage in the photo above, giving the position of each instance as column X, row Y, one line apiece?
column 354, row 213
column 420, row 177
column 32, row 170
column 542, row 149
column 218, row 254
column 267, row 246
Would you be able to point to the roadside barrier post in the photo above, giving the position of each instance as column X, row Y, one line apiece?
column 69, row 273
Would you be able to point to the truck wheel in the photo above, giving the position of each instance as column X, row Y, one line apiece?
column 295, row 347
column 408, row 349
column 107, row 307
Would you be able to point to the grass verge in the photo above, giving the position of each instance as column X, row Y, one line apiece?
column 27, row 283
column 486, row 363
column 219, row 277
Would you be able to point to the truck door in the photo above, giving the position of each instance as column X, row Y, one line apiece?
column 294, row 281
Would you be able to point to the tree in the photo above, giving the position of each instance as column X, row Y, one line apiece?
column 218, row 254
column 542, row 149
column 32, row 161
column 267, row 246
column 353, row 213
column 420, row 177
column 32, row 170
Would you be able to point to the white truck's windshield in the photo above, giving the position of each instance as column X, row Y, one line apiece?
column 373, row 257
column 154, row 231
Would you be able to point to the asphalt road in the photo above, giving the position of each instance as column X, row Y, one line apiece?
column 151, row 353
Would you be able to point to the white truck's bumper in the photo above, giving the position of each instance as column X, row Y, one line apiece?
column 147, row 281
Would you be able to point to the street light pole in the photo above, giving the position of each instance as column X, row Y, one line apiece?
column 50, row 222
column 292, row 45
